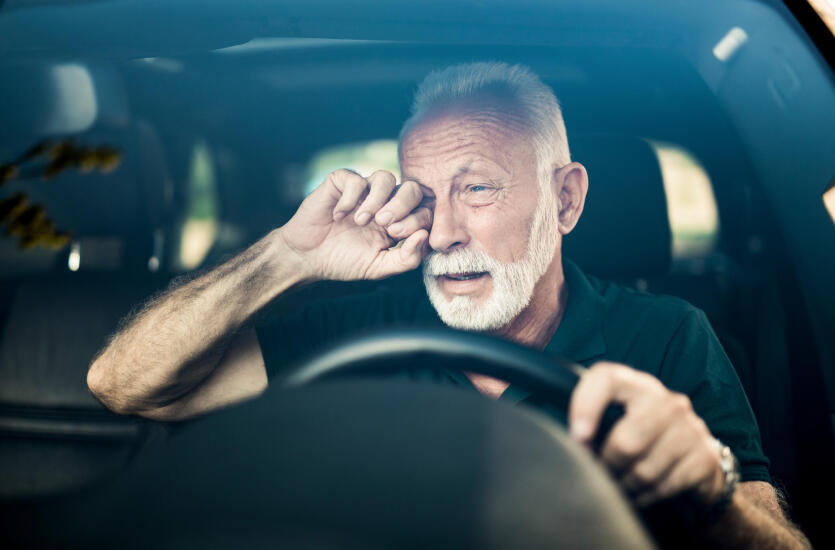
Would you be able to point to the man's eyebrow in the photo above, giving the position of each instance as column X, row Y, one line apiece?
column 477, row 163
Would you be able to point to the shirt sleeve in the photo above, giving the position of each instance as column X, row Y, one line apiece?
column 695, row 364
column 289, row 337
column 286, row 337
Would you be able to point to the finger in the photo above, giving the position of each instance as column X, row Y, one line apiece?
column 697, row 470
column 600, row 385
column 412, row 250
column 405, row 257
column 656, row 464
column 407, row 197
column 636, row 433
column 419, row 219
column 382, row 184
column 352, row 187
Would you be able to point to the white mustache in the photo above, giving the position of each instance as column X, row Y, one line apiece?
column 464, row 260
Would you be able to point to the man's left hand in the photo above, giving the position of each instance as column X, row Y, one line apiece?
column 660, row 447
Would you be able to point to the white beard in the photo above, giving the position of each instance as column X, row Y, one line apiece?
column 513, row 283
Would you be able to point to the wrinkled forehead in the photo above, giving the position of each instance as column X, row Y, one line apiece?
column 473, row 122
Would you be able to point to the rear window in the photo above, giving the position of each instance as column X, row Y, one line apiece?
column 691, row 204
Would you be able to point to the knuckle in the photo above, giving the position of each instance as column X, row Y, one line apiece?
column 602, row 366
column 343, row 174
column 410, row 186
column 600, row 371
column 641, row 379
column 614, row 371
column 680, row 404
column 643, row 474
column 646, row 378
column 624, row 446
column 400, row 228
column 410, row 190
column 384, row 177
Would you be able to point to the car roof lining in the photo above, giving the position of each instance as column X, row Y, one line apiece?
column 86, row 26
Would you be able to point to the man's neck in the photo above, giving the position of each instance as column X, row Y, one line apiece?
column 534, row 327
column 537, row 323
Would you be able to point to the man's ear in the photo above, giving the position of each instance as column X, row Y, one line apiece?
column 571, row 182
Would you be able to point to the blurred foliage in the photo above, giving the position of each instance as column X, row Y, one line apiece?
column 46, row 160
column 29, row 223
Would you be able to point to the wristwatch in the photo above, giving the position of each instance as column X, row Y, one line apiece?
column 731, row 476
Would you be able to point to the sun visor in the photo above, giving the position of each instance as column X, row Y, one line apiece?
column 44, row 98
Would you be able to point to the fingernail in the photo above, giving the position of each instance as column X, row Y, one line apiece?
column 395, row 228
column 363, row 218
column 384, row 218
column 580, row 430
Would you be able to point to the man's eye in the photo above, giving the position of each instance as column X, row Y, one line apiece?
column 479, row 194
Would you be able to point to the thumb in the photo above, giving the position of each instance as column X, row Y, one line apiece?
column 405, row 257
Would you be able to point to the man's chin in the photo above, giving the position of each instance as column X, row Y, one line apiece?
column 469, row 303
column 466, row 313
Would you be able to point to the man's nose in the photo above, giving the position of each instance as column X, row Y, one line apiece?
column 447, row 231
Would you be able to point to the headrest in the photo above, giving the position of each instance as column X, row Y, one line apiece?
column 624, row 232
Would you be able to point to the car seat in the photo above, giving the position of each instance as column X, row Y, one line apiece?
column 55, row 437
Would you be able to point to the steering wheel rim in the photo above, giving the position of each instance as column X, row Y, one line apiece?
column 446, row 349
column 396, row 350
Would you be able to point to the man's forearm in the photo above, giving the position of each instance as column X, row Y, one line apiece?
column 755, row 520
column 175, row 342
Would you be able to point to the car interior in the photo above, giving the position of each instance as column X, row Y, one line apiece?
column 153, row 156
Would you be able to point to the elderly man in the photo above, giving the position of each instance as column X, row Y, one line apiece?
column 488, row 193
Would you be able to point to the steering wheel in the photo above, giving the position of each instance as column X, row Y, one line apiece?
column 364, row 465
column 550, row 378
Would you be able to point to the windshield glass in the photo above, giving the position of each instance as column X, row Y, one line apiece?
column 143, row 143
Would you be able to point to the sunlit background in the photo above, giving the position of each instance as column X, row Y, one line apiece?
column 692, row 211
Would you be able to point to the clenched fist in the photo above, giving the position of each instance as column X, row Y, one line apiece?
column 348, row 227
column 660, row 447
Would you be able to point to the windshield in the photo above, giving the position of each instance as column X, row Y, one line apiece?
column 142, row 142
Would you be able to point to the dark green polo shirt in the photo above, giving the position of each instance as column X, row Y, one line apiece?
column 662, row 335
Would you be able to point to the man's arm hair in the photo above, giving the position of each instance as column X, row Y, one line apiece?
column 188, row 352
column 191, row 349
column 756, row 519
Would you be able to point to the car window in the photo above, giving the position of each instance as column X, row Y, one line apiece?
column 691, row 204
column 364, row 158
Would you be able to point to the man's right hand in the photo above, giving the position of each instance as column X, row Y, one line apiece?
column 347, row 228
column 189, row 351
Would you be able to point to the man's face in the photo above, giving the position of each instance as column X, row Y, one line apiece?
column 493, row 234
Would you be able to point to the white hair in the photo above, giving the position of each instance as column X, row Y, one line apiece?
column 532, row 98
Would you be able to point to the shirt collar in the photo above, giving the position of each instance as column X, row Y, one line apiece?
column 579, row 336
